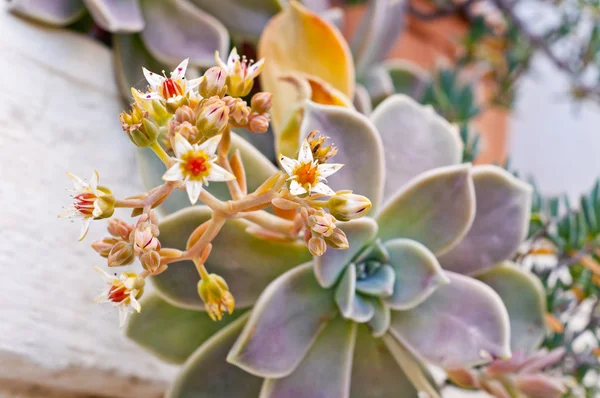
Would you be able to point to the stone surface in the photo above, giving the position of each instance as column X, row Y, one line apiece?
column 58, row 113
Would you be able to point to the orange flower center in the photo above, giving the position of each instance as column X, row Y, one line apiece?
column 306, row 174
column 84, row 203
column 117, row 293
column 171, row 88
column 195, row 165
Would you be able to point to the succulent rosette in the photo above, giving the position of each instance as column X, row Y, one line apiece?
column 425, row 280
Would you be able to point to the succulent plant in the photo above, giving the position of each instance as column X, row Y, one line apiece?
column 424, row 280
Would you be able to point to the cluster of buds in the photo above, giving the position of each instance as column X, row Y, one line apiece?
column 306, row 184
column 128, row 242
column 515, row 377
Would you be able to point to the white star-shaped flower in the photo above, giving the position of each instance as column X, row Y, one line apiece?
column 240, row 72
column 122, row 292
column 307, row 176
column 170, row 89
column 196, row 165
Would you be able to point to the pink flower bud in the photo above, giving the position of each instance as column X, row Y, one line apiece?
column 261, row 102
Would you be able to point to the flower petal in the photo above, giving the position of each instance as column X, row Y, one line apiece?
column 123, row 16
column 375, row 372
column 323, row 189
column 187, row 329
column 361, row 150
column 524, row 298
column 246, row 262
column 380, row 284
column 193, row 189
column 501, row 222
column 325, row 371
column 332, row 263
column 205, row 372
column 177, row 29
column 418, row 273
column 182, row 145
column 288, row 164
column 377, row 33
column 173, row 173
column 217, row 173
column 287, row 318
column 85, row 227
column 179, row 71
column 290, row 42
column 154, row 79
column 327, row 169
column 57, row 13
column 152, row 169
column 416, row 140
column 94, row 182
column 305, row 154
column 463, row 323
column 296, row 188
column 210, row 146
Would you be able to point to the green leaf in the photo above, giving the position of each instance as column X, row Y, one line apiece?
column 436, row 209
column 172, row 333
column 325, row 371
column 284, row 324
column 525, row 299
column 247, row 262
column 206, row 374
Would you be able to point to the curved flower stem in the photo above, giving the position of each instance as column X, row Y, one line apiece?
column 212, row 230
column 223, row 161
column 157, row 194
column 162, row 155
column 269, row 221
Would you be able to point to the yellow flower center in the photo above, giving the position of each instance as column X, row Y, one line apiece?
column 195, row 165
column 307, row 174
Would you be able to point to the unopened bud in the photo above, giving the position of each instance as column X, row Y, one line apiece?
column 462, row 377
column 322, row 223
column 212, row 117
column 121, row 254
column 316, row 246
column 119, row 228
column 150, row 261
column 145, row 239
column 259, row 123
column 238, row 111
column 261, row 102
column 213, row 83
column 540, row 386
column 184, row 114
column 349, row 206
column 142, row 131
column 337, row 240
column 104, row 246
column 175, row 103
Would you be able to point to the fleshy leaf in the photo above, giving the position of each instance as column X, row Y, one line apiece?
column 172, row 333
column 413, row 368
column 247, row 262
column 415, row 138
column 332, row 263
column 291, row 42
column 380, row 284
column 377, row 33
column 362, row 100
column 130, row 56
column 207, row 374
column 258, row 168
column 380, row 322
column 408, row 78
column 56, row 12
column 121, row 16
column 345, row 292
column 524, row 298
column 361, row 150
column 176, row 30
column 379, row 83
column 243, row 18
column 417, row 272
column 463, row 323
column 289, row 315
column 325, row 371
column 375, row 372
column 436, row 209
column 362, row 309
column 501, row 222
